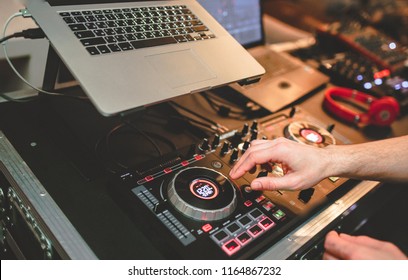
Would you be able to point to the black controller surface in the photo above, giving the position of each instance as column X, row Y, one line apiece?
column 189, row 207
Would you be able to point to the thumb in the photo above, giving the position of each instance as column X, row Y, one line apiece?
column 272, row 183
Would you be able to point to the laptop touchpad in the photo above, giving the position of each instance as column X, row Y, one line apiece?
column 180, row 68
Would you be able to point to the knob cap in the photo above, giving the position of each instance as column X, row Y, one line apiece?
column 254, row 125
column 204, row 145
column 245, row 129
column 245, row 146
column 262, row 173
column 216, row 141
column 330, row 127
column 225, row 148
column 234, row 155
column 306, row 195
column 254, row 135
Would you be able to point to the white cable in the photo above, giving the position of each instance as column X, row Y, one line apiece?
column 11, row 64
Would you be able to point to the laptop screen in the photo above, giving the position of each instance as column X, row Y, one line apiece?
column 241, row 18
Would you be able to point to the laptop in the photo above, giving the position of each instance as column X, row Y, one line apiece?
column 130, row 54
column 287, row 79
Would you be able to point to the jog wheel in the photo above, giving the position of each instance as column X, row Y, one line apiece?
column 202, row 194
column 310, row 134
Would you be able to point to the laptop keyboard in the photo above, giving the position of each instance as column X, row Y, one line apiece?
column 116, row 30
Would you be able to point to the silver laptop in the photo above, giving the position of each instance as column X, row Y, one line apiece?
column 129, row 54
column 287, row 79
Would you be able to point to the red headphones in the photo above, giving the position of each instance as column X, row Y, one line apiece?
column 382, row 111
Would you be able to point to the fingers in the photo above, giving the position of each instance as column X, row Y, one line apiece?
column 261, row 151
column 274, row 183
column 346, row 247
column 363, row 240
column 338, row 247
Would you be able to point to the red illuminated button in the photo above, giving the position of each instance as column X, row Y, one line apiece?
column 260, row 199
column 206, row 227
column 185, row 163
column 266, row 223
column 248, row 203
column 231, row 247
column 167, row 170
column 198, row 157
column 244, row 238
column 255, row 230
column 149, row 178
column 268, row 205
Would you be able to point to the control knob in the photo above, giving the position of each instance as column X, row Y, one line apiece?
column 216, row 141
column 205, row 146
column 234, row 155
column 245, row 129
column 225, row 148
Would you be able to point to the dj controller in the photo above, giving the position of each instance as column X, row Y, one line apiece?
column 189, row 207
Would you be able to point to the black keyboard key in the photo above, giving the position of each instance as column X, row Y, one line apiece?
column 93, row 41
column 109, row 31
column 99, row 32
column 80, row 19
column 125, row 46
column 103, row 49
column 77, row 27
column 69, row 20
column 130, row 37
column 90, row 18
column 129, row 29
column 84, row 34
column 101, row 24
column 153, row 42
column 110, row 39
column 110, row 17
column 114, row 47
column 119, row 30
column 91, row 25
column 100, row 17
column 120, row 38
column 111, row 24
column 93, row 50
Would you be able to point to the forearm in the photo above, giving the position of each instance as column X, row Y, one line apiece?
column 377, row 160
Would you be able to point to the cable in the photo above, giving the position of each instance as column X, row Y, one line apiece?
column 214, row 125
column 33, row 33
column 148, row 138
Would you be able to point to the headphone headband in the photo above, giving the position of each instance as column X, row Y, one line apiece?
column 381, row 112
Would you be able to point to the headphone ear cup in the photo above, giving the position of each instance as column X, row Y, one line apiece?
column 383, row 111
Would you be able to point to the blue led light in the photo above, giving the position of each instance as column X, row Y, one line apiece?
column 405, row 84
column 359, row 77
column 397, row 87
column 392, row 45
column 368, row 85
column 378, row 82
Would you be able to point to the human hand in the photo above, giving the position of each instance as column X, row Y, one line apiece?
column 346, row 247
column 303, row 165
